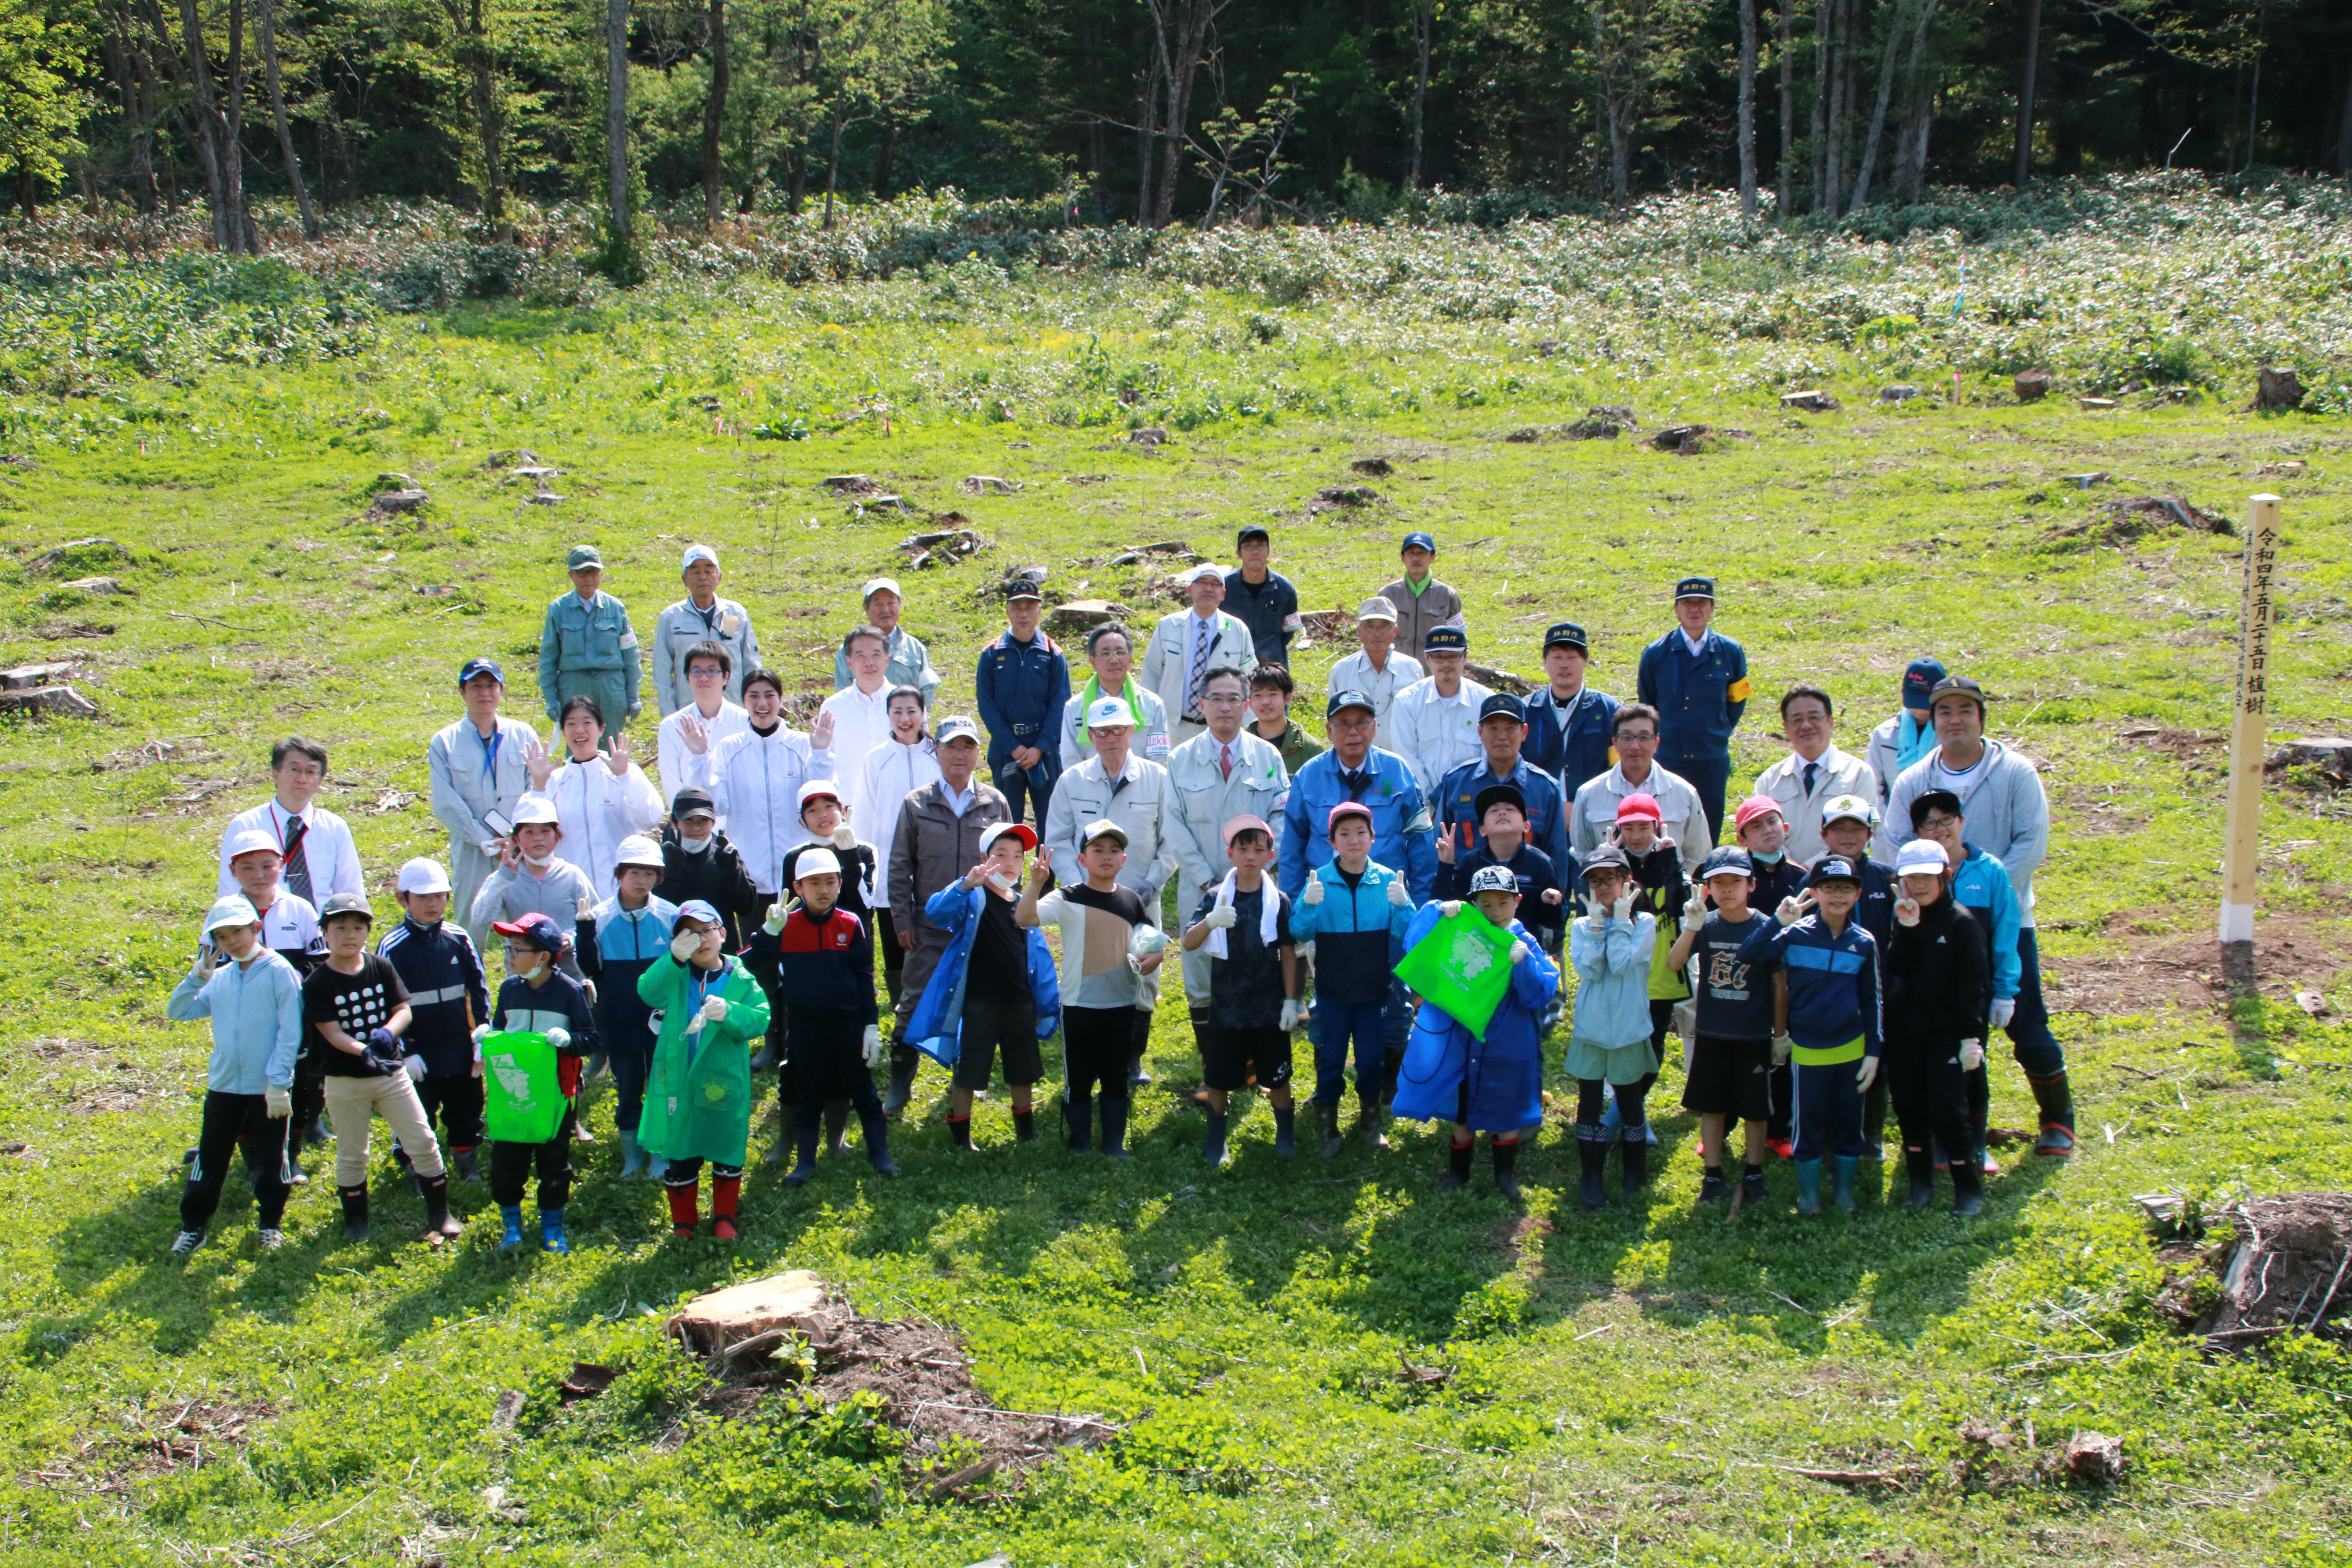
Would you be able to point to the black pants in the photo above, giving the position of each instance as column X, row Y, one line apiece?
column 1097, row 1043
column 456, row 1097
column 511, row 1165
column 828, row 1062
column 310, row 1093
column 769, row 974
column 237, row 1123
column 1710, row 776
column 1930, row 1094
column 904, row 1059
column 631, row 1064
column 1014, row 781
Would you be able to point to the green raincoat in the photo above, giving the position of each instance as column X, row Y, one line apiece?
column 698, row 1095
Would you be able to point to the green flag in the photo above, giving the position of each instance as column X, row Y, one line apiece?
column 1464, row 965
column 524, row 1100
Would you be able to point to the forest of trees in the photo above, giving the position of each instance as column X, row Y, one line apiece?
column 1155, row 111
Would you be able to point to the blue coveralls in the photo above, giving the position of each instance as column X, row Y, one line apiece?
column 1699, row 701
column 1579, row 752
column 1021, row 688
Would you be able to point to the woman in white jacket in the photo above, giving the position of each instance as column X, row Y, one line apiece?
column 894, row 770
column 601, row 797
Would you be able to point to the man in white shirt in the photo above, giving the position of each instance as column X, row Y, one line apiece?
column 754, row 777
column 1217, row 775
column 706, row 721
column 860, row 712
column 1681, row 814
column 701, row 616
column 1376, row 669
column 908, row 661
column 479, row 767
column 320, row 860
column 1186, row 646
column 1436, row 718
column 1814, row 774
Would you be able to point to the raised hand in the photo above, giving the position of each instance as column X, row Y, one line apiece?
column 821, row 733
column 1398, row 897
column 694, row 733
column 1312, row 894
column 1445, row 848
column 1220, row 918
column 1041, row 869
column 541, row 766
column 619, row 758
column 1906, row 912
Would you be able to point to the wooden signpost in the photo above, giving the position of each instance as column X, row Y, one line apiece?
column 2243, row 844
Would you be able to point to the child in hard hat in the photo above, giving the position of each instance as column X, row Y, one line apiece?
column 1104, row 983
column 1608, row 1040
column 1494, row 1084
column 617, row 941
column 289, row 928
column 254, row 999
column 448, row 995
column 1243, row 923
column 698, row 1094
column 1731, row 1051
column 538, row 998
column 826, row 959
column 995, row 990
column 533, row 879
column 1356, row 912
column 1939, row 988
column 1831, row 1027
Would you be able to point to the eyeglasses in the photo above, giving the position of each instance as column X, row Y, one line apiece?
column 1224, row 699
column 1639, row 738
column 1937, row 822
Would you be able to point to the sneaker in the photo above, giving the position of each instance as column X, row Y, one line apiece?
column 1710, row 1188
column 1751, row 1188
column 271, row 1240
column 1989, row 1166
column 187, row 1241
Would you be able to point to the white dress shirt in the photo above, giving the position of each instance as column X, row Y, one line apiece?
column 1355, row 673
column 328, row 851
column 860, row 723
column 754, row 782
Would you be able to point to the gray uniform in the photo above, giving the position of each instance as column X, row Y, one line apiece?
column 1151, row 726
column 679, row 628
column 1206, row 798
column 590, row 650
column 471, row 778
column 511, row 894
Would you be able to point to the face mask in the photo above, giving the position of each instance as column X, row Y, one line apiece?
column 514, row 967
column 1000, row 882
column 1772, row 860
column 539, row 862
column 694, row 845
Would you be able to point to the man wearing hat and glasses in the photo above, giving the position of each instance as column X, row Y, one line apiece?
column 1263, row 599
column 1376, row 669
column 909, row 662
column 480, row 767
column 587, row 648
column 1422, row 602
column 1569, row 722
column 1697, row 680
column 1188, row 644
column 1020, row 683
column 702, row 616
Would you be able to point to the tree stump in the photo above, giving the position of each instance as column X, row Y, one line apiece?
column 2276, row 387
column 791, row 1303
column 2030, row 385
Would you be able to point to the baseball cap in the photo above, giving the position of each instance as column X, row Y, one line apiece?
column 1205, row 569
column 1348, row 697
column 815, row 862
column 1565, row 634
column 1831, row 868
column 1850, row 806
column 1608, row 857
column 1918, row 680
column 695, row 552
column 236, row 910
column 1379, row 607
column 1923, row 856
column 637, row 850
column 254, row 841
column 818, row 789
column 1023, row 587
column 1111, row 711
column 479, row 665
column 1418, row 537
column 423, row 876
column 1446, row 639
column 956, row 727
column 346, row 904
column 1933, row 800
column 1695, row 588
column 1242, row 824
column 704, row 910
column 537, row 930
column 692, row 801
column 1726, row 862
column 583, row 555
column 1499, row 794
column 1346, row 808
column 1250, row 531
column 1502, row 704
column 1754, row 806
column 1102, row 827
column 996, row 830
column 876, row 584
column 1956, row 686
column 1640, row 805
column 1493, row 879
column 534, row 808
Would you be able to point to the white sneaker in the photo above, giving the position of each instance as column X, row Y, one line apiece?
column 187, row 1241
column 271, row 1240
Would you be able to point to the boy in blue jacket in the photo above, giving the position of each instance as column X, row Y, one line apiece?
column 1831, row 1019
column 1355, row 910
column 1608, row 1041
column 254, row 999
column 617, row 941
column 1495, row 1084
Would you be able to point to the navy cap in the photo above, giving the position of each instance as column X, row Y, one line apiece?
column 537, row 930
column 1565, row 634
column 1607, row 858
column 1418, row 537
column 1499, row 794
column 1503, row 704
column 1726, row 859
column 1956, row 686
column 1250, row 531
column 1928, row 800
column 1918, row 680
column 1348, row 697
column 1696, row 588
column 479, row 665
column 1832, row 868
column 1446, row 639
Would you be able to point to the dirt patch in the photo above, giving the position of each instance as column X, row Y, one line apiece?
column 2274, row 1265
column 189, row 1436
column 2130, row 518
column 2180, row 745
column 2292, row 952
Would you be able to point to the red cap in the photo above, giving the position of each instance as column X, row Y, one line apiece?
column 1244, row 824
column 1754, row 806
column 1020, row 830
column 1347, row 808
column 1644, row 806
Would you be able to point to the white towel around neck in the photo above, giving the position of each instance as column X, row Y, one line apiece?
column 1269, row 913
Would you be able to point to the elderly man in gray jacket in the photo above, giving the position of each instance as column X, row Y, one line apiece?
column 936, row 841
column 479, row 767
column 1216, row 776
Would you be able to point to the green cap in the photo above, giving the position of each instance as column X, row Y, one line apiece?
column 583, row 555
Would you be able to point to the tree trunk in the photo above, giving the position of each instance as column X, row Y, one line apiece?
column 2253, row 106
column 833, row 170
column 1424, row 22
column 490, row 112
column 266, row 33
column 1824, row 45
column 1841, row 80
column 885, row 156
column 212, row 149
column 1788, row 112
column 796, row 180
column 1918, row 97
column 2025, row 93
column 1747, row 108
column 616, row 120
column 233, row 106
column 2343, row 135
column 29, row 188
column 714, row 119
column 1189, row 47
column 1147, row 137
column 1889, row 47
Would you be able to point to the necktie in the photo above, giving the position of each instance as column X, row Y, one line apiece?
column 1192, row 688
column 1358, row 780
column 297, row 864
column 1811, row 769
column 1225, row 761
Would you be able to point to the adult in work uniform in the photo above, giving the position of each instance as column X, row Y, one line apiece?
column 1378, row 669
column 1592, row 819
column 1188, row 644
column 587, row 648
column 1697, row 680
column 1502, row 730
column 479, row 767
column 1568, row 721
column 909, row 662
column 936, row 841
column 702, row 616
column 1217, row 775
column 1265, row 599
column 1020, row 683
column 1422, row 602
column 1813, row 774
column 2006, row 815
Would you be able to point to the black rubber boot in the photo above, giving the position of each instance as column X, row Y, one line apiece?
column 877, row 1144
column 1326, row 1126
column 788, row 1133
column 1633, row 1153
column 438, row 1221
column 1368, row 1121
column 2056, row 1102
column 1919, row 1165
column 1285, row 1130
column 836, row 1128
column 902, row 1089
column 468, row 1166
column 1593, row 1160
column 1024, row 1126
column 355, row 1212
column 1391, row 1058
column 1078, row 1117
column 1457, row 1165
column 1114, row 1126
column 1507, row 1160
column 1213, row 1146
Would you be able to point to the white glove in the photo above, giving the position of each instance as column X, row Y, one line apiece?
column 1289, row 1013
column 1397, row 896
column 1219, row 918
column 873, row 1049
column 558, row 1038
column 1906, row 912
column 1789, row 912
column 280, row 1102
column 1450, row 908
column 1696, row 911
column 1782, row 1048
column 714, row 1009
column 1971, row 1054
column 774, row 924
column 844, row 838
column 1623, row 907
column 481, row 1032
column 583, row 909
column 413, row 1067
column 1866, row 1074
column 1518, row 952
column 2004, row 1008
column 1312, row 894
column 682, row 946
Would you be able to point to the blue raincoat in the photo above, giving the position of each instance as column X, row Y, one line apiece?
column 1504, row 1074
column 935, row 1029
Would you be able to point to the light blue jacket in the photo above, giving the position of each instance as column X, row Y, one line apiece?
column 935, row 1029
column 1980, row 884
column 257, row 1014
column 1612, row 979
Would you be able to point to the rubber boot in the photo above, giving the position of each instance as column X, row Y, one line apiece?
column 1078, row 1119
column 1919, row 1165
column 836, row 1128
column 1213, row 1146
column 1392, row 1059
column 902, row 1089
column 1633, row 1158
column 1507, row 1160
column 1326, row 1126
column 1612, row 1123
column 1025, row 1125
column 355, row 1212
column 1593, row 1162
column 1808, row 1187
column 1873, row 1119
column 1113, row 1128
column 2056, row 1102
column 470, row 1167
column 550, row 1232
column 683, row 1214
column 1841, row 1181
column 724, row 1193
column 1369, row 1118
column 1457, row 1164
column 511, row 1223
column 1286, row 1131
column 633, row 1159
column 804, row 1161
column 877, row 1144
column 960, row 1131
column 438, row 1221
column 1967, row 1192
column 788, row 1135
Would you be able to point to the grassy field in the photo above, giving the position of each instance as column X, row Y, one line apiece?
column 1643, row 1386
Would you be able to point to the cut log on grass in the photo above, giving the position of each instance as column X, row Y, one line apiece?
column 1812, row 401
column 1081, row 613
column 401, row 500
column 2030, row 385
column 48, row 701
column 83, row 551
column 2096, row 1458
column 713, row 1323
column 1372, row 468
column 2277, row 388
column 2276, row 1265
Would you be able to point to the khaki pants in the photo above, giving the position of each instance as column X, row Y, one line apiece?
column 351, row 1102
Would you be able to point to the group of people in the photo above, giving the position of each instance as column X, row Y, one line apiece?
column 678, row 928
